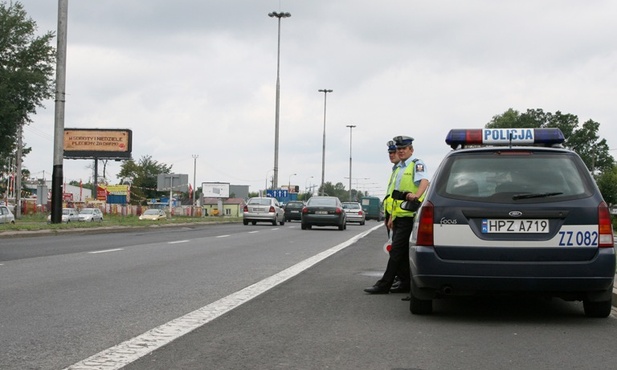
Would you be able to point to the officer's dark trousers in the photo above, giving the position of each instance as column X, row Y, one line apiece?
column 398, row 263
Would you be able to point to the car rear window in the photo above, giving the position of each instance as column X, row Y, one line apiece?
column 514, row 176
column 259, row 201
column 322, row 202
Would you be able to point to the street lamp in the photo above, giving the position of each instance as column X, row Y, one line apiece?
column 323, row 150
column 195, row 156
column 289, row 182
column 275, row 177
column 306, row 182
column 351, row 127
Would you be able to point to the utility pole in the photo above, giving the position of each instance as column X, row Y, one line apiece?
column 56, row 182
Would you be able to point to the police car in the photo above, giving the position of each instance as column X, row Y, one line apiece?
column 512, row 211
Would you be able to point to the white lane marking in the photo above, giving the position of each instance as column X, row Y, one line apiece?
column 107, row 250
column 253, row 232
column 133, row 349
column 179, row 241
column 222, row 236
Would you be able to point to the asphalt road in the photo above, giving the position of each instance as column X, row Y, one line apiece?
column 66, row 298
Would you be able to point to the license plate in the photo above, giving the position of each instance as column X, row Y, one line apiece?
column 321, row 212
column 295, row 211
column 495, row 226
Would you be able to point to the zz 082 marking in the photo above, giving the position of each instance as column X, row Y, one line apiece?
column 576, row 238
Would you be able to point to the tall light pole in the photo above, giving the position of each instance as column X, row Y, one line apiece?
column 305, row 184
column 351, row 127
column 289, row 182
column 195, row 156
column 275, row 177
column 323, row 150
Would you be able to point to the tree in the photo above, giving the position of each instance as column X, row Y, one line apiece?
column 607, row 182
column 583, row 140
column 142, row 177
column 26, row 74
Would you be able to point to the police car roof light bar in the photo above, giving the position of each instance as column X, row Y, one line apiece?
column 504, row 136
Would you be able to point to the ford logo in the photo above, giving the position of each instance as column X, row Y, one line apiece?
column 515, row 213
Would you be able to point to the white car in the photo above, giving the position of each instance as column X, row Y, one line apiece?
column 6, row 216
column 263, row 210
column 354, row 212
column 90, row 215
column 68, row 215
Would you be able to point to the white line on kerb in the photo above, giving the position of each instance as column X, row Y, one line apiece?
column 107, row 250
column 222, row 236
column 124, row 353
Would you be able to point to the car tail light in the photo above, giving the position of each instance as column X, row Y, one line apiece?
column 605, row 227
column 304, row 210
column 271, row 210
column 360, row 213
column 245, row 209
column 338, row 211
column 425, row 226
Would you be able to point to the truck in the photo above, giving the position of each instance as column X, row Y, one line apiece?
column 373, row 208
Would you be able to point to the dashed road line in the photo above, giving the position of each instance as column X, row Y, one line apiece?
column 107, row 251
column 133, row 349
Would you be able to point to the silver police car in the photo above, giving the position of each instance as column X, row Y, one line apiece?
column 512, row 211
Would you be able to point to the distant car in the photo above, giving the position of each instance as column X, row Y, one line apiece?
column 354, row 212
column 90, row 215
column 6, row 216
column 153, row 214
column 511, row 211
column 260, row 209
column 323, row 211
column 293, row 210
column 68, row 215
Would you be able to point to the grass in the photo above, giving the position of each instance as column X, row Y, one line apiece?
column 38, row 222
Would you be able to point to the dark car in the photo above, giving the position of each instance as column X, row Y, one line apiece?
column 323, row 211
column 513, row 213
column 293, row 210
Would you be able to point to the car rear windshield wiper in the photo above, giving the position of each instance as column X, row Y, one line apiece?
column 537, row 195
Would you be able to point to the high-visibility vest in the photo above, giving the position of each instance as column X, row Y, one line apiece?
column 387, row 204
column 408, row 185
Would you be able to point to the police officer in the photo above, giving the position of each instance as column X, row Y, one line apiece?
column 387, row 202
column 410, row 184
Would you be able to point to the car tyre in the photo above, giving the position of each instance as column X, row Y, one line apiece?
column 420, row 306
column 362, row 223
column 274, row 222
column 282, row 223
column 245, row 222
column 600, row 309
column 303, row 226
column 253, row 222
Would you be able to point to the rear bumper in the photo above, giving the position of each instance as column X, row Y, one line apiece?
column 433, row 276
column 259, row 216
column 321, row 220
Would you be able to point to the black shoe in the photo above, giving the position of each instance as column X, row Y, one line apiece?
column 401, row 288
column 377, row 289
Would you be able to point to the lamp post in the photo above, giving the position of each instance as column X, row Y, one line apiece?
column 306, row 182
column 275, row 177
column 289, row 182
column 351, row 127
column 195, row 156
column 267, row 172
column 323, row 150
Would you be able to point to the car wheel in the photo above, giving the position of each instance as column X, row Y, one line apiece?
column 420, row 306
column 245, row 222
column 254, row 222
column 303, row 226
column 342, row 226
column 282, row 222
column 274, row 222
column 597, row 309
column 362, row 223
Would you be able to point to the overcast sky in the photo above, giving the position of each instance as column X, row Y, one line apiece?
column 199, row 78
